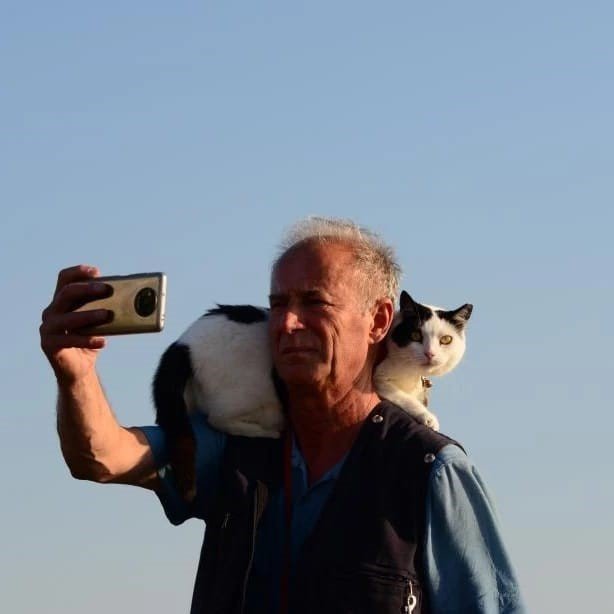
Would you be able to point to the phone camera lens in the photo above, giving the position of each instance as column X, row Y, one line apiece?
column 145, row 302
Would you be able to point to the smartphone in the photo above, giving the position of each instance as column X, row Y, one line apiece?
column 137, row 301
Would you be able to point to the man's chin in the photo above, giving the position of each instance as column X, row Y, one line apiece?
column 296, row 373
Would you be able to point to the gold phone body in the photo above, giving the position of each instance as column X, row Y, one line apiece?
column 138, row 304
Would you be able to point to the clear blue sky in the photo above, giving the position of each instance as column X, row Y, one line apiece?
column 185, row 137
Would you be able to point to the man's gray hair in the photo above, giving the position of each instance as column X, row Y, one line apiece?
column 375, row 260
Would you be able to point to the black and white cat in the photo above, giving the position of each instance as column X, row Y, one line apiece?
column 221, row 365
column 423, row 341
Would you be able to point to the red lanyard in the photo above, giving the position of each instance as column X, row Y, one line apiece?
column 287, row 555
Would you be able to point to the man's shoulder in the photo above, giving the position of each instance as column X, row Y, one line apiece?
column 398, row 425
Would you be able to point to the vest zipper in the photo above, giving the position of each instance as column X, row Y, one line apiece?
column 251, row 554
column 410, row 601
column 225, row 521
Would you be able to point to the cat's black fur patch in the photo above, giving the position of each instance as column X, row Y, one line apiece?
column 409, row 307
column 457, row 317
column 412, row 321
column 245, row 314
column 413, row 316
column 174, row 370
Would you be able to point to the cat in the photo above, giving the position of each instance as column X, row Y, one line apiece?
column 423, row 341
column 222, row 365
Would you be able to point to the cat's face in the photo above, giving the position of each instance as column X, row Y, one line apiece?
column 430, row 338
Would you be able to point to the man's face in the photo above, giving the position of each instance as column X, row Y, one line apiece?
column 318, row 328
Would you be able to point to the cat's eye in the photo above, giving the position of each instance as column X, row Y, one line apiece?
column 445, row 340
column 416, row 336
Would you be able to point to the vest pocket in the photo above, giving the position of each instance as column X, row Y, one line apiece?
column 372, row 589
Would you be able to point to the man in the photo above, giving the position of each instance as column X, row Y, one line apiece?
column 358, row 509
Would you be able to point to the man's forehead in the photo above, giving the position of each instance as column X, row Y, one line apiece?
column 296, row 281
column 312, row 267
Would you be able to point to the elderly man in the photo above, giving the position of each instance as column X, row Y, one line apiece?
column 358, row 509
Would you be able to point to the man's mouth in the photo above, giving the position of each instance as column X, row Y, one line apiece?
column 297, row 350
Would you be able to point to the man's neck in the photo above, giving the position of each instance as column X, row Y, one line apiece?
column 325, row 429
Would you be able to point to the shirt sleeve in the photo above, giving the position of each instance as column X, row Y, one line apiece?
column 467, row 566
column 210, row 446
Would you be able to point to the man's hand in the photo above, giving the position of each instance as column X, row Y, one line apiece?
column 95, row 446
column 71, row 354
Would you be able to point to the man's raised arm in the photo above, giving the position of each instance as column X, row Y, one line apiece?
column 95, row 446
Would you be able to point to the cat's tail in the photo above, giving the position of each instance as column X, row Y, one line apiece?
column 173, row 374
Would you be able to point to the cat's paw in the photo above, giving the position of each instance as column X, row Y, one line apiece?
column 430, row 420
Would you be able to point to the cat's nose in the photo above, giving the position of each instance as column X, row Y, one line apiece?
column 429, row 355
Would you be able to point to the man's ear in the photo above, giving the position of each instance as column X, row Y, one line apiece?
column 382, row 313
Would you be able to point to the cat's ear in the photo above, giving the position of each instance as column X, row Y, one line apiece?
column 462, row 314
column 406, row 302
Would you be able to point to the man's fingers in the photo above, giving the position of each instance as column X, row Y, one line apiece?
column 75, row 294
column 80, row 272
column 59, row 323
column 61, row 331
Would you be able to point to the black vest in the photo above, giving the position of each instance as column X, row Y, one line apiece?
column 364, row 555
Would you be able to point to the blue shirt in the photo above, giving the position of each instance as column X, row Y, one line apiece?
column 466, row 565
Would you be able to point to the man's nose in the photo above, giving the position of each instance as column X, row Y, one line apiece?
column 291, row 321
